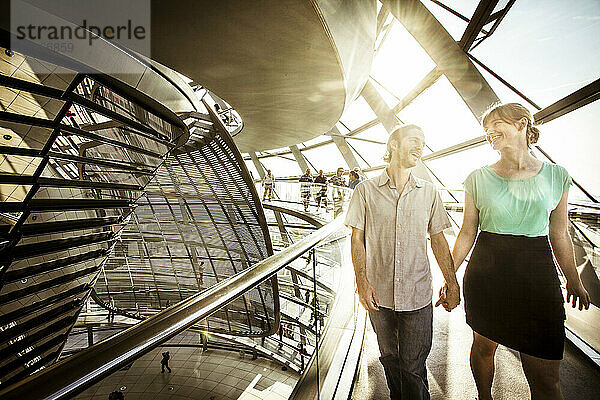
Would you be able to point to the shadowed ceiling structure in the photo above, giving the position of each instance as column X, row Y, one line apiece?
column 287, row 67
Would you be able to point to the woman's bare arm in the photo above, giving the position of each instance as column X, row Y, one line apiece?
column 562, row 246
column 468, row 232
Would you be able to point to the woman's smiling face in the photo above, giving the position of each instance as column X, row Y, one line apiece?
column 502, row 134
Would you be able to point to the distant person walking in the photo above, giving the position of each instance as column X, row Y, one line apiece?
column 338, row 193
column 354, row 179
column 268, row 182
column 111, row 311
column 116, row 395
column 305, row 184
column 165, row 361
column 321, row 184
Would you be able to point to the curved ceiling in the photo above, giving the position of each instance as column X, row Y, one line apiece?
column 275, row 63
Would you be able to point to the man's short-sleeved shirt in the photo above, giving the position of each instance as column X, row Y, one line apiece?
column 396, row 227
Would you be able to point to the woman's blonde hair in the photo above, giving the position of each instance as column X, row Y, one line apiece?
column 513, row 113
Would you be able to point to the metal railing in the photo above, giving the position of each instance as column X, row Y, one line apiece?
column 74, row 374
column 322, row 200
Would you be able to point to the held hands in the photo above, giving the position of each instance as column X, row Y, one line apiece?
column 449, row 297
column 577, row 291
column 367, row 296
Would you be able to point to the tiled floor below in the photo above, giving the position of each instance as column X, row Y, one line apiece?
column 216, row 375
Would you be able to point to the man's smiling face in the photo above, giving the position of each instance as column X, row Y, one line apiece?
column 409, row 147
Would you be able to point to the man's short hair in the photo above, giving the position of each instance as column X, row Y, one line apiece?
column 395, row 137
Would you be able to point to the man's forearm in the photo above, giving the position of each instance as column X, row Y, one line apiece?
column 359, row 260
column 441, row 251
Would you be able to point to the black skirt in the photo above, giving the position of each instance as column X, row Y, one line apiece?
column 512, row 294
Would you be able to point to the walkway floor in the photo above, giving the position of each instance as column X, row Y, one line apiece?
column 450, row 376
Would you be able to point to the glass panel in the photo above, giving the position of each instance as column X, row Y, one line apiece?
column 24, row 136
column 377, row 132
column 546, row 52
column 372, row 152
column 319, row 139
column 20, row 165
column 573, row 142
column 452, row 170
column 443, row 115
column 13, row 192
column 362, row 161
column 327, row 158
column 453, row 24
column 357, row 113
column 394, row 70
column 33, row 70
column 504, row 93
column 501, row 4
column 30, row 105
column 281, row 167
column 253, row 172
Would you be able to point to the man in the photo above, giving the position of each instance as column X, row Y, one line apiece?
column 268, row 182
column 204, row 338
column 321, row 189
column 165, row 362
column 338, row 193
column 390, row 216
column 116, row 395
column 111, row 310
column 305, row 185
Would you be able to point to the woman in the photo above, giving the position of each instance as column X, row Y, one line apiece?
column 511, row 287
column 353, row 180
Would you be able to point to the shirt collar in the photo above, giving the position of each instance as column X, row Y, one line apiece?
column 412, row 182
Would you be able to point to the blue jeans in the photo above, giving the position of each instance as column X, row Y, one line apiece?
column 404, row 339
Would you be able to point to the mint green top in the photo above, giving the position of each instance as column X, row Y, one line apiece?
column 517, row 206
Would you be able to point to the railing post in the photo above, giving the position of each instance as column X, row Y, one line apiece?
column 316, row 315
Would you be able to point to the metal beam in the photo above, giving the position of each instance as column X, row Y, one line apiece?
column 425, row 83
column 63, row 204
column 390, row 122
column 508, row 85
column 446, row 53
column 572, row 102
column 120, row 165
column 258, row 165
column 62, row 183
column 381, row 18
column 379, row 107
column 344, row 149
column 451, row 10
column 302, row 164
column 285, row 236
column 478, row 20
column 497, row 18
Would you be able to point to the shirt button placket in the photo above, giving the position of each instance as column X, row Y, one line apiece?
column 400, row 225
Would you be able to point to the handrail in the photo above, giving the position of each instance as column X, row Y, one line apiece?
column 71, row 376
column 298, row 214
